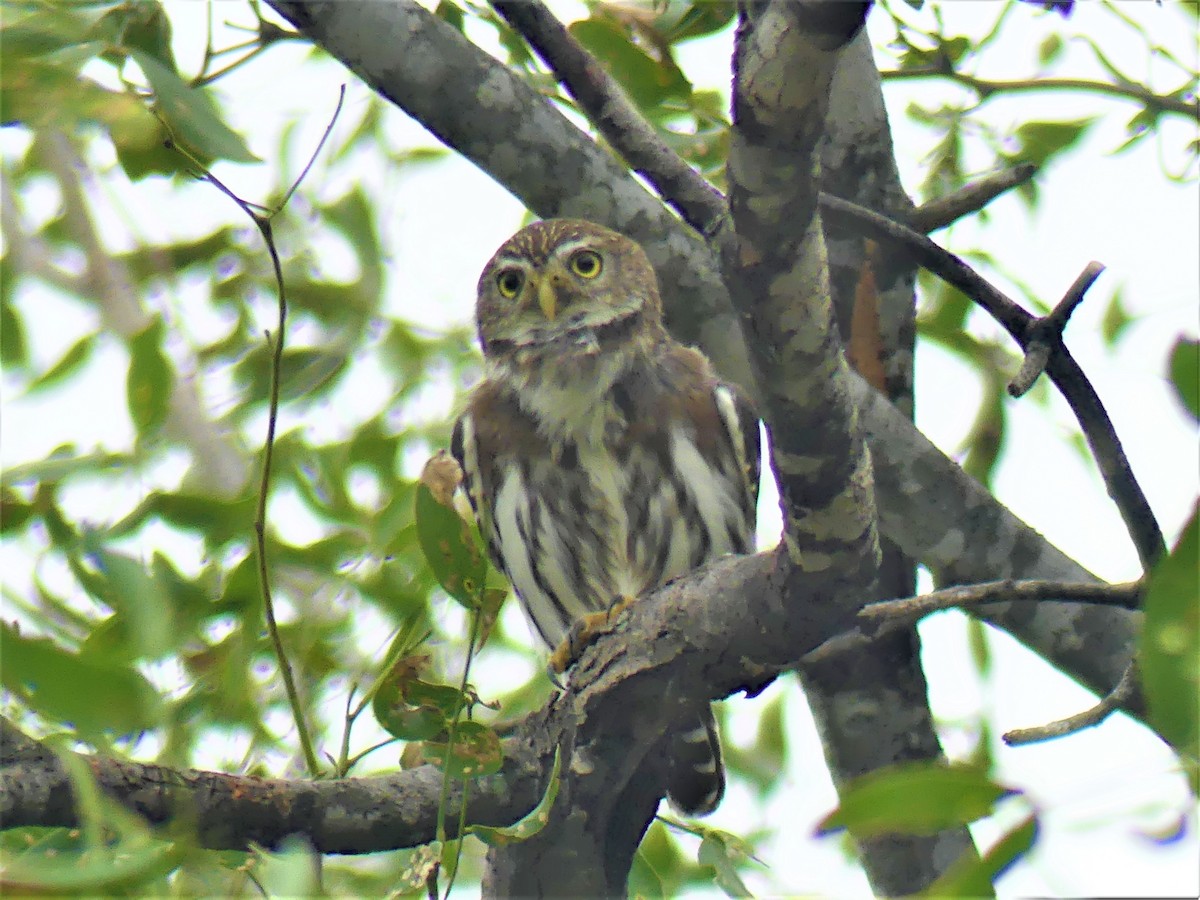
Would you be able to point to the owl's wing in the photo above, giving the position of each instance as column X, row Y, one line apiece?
column 506, row 474
column 465, row 449
column 739, row 420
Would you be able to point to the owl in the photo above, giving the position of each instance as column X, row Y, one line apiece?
column 602, row 458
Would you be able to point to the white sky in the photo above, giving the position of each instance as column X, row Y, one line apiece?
column 1102, row 792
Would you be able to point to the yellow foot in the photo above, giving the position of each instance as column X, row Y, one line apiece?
column 582, row 633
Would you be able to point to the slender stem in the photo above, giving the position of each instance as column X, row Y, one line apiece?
column 970, row 198
column 1126, row 595
column 986, row 88
column 1109, row 704
column 263, row 223
column 260, row 514
column 444, row 799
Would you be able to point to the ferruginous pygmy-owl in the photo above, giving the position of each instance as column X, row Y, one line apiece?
column 602, row 457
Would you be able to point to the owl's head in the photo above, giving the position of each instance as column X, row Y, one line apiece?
column 566, row 287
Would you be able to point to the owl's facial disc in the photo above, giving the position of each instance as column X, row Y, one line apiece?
column 567, row 302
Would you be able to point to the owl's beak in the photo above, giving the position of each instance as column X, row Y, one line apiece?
column 547, row 297
column 547, row 289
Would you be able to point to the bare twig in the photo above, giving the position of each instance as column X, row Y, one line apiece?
column 1093, row 419
column 614, row 116
column 1045, row 334
column 1127, row 595
column 985, row 88
column 263, row 223
column 1086, row 719
column 970, row 198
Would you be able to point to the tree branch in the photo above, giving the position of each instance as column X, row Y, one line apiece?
column 1127, row 595
column 985, row 88
column 1061, row 367
column 717, row 631
column 959, row 531
column 1116, row 698
column 229, row 812
column 610, row 111
column 970, row 198
column 1045, row 335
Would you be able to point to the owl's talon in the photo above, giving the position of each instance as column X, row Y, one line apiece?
column 582, row 633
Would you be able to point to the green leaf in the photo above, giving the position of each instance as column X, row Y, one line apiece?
column 954, row 49
column 125, row 585
column 410, row 709
column 419, row 874
column 14, row 348
column 1169, row 647
column 1185, row 373
column 123, row 868
column 94, row 695
column 445, row 697
column 475, row 752
column 530, row 824
column 218, row 520
column 303, row 371
column 647, row 81
column 150, row 381
column 145, row 27
column 14, row 512
column 1041, row 141
column 1050, row 49
column 292, row 871
column 725, row 852
column 644, row 883
column 447, row 541
column 681, row 20
column 69, row 363
column 974, row 876
column 63, row 462
column 51, row 29
column 913, row 798
column 1116, row 318
column 191, row 114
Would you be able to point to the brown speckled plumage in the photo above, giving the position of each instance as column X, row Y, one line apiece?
column 602, row 457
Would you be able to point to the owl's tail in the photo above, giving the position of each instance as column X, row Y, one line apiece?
column 697, row 780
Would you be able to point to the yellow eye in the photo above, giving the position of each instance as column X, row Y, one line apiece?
column 586, row 264
column 510, row 281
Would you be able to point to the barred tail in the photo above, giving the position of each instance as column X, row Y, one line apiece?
column 697, row 780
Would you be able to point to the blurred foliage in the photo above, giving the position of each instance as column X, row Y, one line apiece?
column 137, row 628
column 1169, row 652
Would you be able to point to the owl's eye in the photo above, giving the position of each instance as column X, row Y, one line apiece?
column 586, row 264
column 509, row 281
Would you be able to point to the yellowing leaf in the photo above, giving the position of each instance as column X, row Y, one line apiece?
column 474, row 752
column 530, row 824
column 446, row 539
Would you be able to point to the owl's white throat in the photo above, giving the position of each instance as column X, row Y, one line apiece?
column 569, row 393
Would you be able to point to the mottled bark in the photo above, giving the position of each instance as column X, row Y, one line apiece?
column 871, row 704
